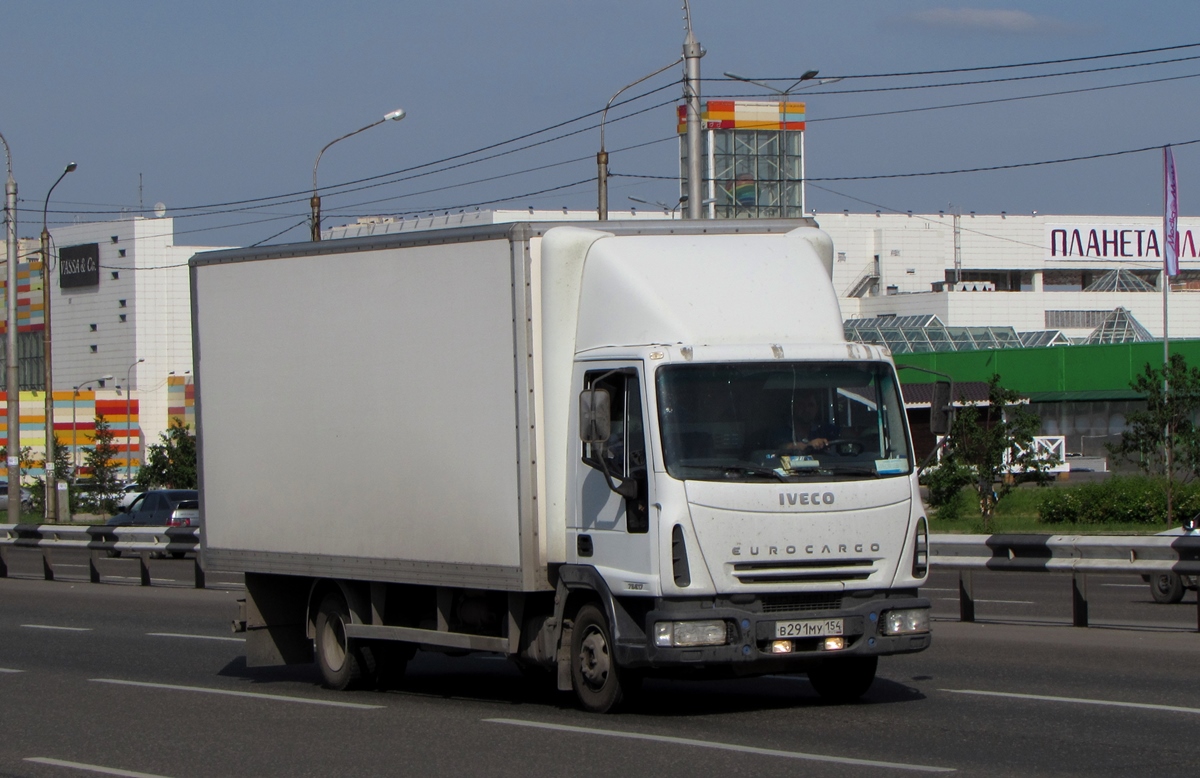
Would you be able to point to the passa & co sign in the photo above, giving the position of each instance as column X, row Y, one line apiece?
column 1114, row 242
column 79, row 266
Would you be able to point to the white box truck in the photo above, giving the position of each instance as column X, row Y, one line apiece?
column 605, row 452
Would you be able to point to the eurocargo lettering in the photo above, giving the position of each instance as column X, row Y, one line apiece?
column 643, row 449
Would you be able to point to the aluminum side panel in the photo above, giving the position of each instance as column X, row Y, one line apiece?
column 362, row 405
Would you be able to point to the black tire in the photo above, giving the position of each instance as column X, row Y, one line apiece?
column 1166, row 588
column 844, row 679
column 343, row 662
column 600, row 684
column 178, row 554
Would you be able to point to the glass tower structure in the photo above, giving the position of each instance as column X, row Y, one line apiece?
column 754, row 158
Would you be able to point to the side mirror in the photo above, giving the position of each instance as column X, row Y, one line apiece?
column 595, row 415
column 1192, row 524
column 939, row 408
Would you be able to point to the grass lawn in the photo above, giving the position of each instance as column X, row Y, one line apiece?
column 1018, row 512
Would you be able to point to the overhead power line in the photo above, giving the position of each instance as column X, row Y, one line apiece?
column 987, row 169
column 979, row 82
column 980, row 68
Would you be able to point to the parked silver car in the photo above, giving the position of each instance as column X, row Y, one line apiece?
column 26, row 497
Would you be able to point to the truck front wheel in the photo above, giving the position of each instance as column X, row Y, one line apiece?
column 343, row 662
column 600, row 685
column 844, row 679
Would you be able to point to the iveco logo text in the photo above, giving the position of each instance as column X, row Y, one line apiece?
column 842, row 548
column 806, row 498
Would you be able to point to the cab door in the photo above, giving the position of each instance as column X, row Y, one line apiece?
column 613, row 500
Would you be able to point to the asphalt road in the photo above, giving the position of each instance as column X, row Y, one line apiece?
column 149, row 681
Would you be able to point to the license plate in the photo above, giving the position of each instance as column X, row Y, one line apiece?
column 808, row 628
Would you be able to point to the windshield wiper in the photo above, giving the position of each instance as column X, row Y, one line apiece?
column 741, row 469
column 855, row 471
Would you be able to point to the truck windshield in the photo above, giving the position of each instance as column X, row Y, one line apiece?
column 785, row 421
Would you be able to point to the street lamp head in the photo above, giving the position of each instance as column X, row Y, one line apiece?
column 395, row 115
column 71, row 168
column 809, row 75
column 106, row 378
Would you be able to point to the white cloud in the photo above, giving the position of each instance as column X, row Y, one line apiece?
column 987, row 20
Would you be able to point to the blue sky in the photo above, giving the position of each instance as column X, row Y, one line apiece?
column 224, row 101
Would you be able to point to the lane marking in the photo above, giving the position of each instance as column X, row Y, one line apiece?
column 91, row 768
column 722, row 746
column 194, row 637
column 994, row 602
column 10, row 670
column 1077, row 700
column 232, row 693
column 62, row 629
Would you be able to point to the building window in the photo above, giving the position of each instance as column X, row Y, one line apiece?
column 115, row 238
column 120, row 252
column 115, row 274
column 120, row 303
column 94, row 348
column 92, row 327
column 123, row 317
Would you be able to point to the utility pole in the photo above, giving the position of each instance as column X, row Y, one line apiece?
column 692, row 52
column 12, row 388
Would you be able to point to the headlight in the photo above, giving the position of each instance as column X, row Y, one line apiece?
column 906, row 622
column 690, row 633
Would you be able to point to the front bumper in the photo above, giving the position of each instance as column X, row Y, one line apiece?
column 751, row 629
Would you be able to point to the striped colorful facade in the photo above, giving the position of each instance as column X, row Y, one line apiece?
column 181, row 401
column 30, row 317
column 74, row 426
column 746, row 115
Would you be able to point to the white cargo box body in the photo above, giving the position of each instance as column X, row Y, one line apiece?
column 359, row 410
column 371, row 409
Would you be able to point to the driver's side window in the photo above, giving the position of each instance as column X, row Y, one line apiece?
column 623, row 455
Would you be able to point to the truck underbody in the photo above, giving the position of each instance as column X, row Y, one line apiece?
column 362, row 633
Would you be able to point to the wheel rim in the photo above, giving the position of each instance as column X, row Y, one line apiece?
column 333, row 643
column 594, row 661
column 1164, row 583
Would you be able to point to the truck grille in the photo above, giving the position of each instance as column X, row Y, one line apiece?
column 783, row 603
column 804, row 572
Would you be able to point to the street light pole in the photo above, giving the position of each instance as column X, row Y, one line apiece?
column 315, row 202
column 692, row 52
column 74, row 428
column 602, row 155
column 51, row 476
column 12, row 387
column 129, row 422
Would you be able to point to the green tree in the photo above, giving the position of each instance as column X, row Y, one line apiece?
column 171, row 463
column 987, row 444
column 106, row 489
column 1169, row 420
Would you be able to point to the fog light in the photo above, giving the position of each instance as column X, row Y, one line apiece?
column 835, row 644
column 690, row 633
column 781, row 646
column 906, row 622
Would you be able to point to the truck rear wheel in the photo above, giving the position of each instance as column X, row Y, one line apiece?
column 600, row 685
column 1166, row 588
column 343, row 662
column 844, row 679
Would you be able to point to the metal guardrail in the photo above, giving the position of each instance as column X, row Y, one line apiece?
column 132, row 543
column 1078, row 555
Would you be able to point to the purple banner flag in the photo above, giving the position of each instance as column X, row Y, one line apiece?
column 1170, row 215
